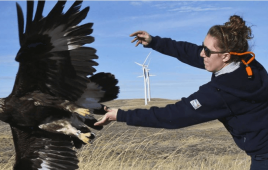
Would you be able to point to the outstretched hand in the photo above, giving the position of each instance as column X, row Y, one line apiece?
column 142, row 37
column 108, row 117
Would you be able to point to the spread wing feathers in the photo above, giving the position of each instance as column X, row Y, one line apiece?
column 108, row 83
column 101, row 87
column 20, row 23
column 52, row 54
column 30, row 5
column 37, row 149
column 39, row 11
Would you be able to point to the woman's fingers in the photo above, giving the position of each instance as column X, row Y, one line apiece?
column 139, row 42
column 136, row 33
column 106, row 108
column 102, row 121
column 108, row 117
column 142, row 37
column 134, row 39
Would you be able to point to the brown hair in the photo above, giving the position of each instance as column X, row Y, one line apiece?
column 232, row 36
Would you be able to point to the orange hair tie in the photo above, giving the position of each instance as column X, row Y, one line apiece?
column 248, row 69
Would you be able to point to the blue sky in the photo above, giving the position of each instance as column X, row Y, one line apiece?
column 114, row 21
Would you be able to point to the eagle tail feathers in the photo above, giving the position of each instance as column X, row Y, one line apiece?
column 101, row 88
column 108, row 84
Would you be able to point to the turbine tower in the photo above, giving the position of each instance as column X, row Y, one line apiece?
column 146, row 77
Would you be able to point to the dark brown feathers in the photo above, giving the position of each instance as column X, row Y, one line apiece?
column 30, row 5
column 56, row 90
column 36, row 149
column 52, row 51
column 20, row 23
column 39, row 11
column 80, row 30
column 108, row 83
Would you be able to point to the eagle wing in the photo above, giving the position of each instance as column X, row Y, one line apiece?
column 54, row 62
column 52, row 58
column 38, row 149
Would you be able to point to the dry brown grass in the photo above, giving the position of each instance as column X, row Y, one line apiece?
column 207, row 146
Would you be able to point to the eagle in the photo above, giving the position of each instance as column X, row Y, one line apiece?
column 56, row 90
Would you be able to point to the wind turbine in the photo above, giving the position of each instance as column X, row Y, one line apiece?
column 146, row 78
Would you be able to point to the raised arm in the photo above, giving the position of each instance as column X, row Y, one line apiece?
column 184, row 51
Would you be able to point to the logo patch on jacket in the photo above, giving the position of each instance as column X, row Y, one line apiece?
column 195, row 103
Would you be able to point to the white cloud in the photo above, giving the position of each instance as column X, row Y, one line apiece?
column 7, row 59
column 198, row 9
column 188, row 7
column 172, row 5
column 140, row 2
column 6, row 78
column 135, row 3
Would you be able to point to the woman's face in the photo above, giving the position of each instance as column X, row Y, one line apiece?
column 217, row 61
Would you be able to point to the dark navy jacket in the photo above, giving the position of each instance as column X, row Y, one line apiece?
column 240, row 103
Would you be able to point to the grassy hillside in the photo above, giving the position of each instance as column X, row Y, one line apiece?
column 207, row 146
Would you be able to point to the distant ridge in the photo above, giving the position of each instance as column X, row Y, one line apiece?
column 126, row 104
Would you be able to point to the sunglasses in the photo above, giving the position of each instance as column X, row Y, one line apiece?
column 208, row 52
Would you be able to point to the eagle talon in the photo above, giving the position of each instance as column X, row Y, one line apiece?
column 82, row 111
column 85, row 137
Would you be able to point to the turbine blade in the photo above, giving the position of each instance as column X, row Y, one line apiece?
column 139, row 64
column 149, row 62
column 147, row 58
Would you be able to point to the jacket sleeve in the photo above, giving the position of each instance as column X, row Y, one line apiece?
column 204, row 105
column 185, row 52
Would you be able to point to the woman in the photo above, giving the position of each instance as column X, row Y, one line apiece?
column 237, row 94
